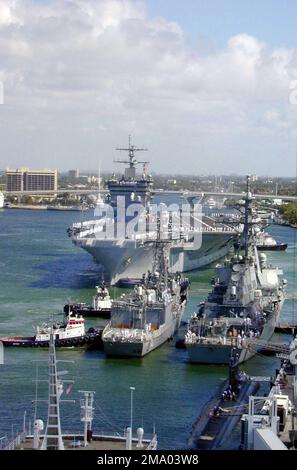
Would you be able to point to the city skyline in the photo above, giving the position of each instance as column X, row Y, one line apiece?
column 206, row 91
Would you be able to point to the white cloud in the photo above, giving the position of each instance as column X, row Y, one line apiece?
column 79, row 75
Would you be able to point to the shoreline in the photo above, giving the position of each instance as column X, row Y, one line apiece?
column 40, row 208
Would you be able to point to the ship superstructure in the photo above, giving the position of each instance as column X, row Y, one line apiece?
column 243, row 306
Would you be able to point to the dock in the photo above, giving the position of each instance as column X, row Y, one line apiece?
column 209, row 432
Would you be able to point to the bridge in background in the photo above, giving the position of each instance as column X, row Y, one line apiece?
column 186, row 194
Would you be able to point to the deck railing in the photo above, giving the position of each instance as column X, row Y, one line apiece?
column 14, row 442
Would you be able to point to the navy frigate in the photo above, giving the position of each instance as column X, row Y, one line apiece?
column 151, row 314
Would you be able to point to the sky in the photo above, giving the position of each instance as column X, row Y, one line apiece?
column 209, row 87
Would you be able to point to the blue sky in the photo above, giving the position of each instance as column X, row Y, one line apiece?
column 272, row 21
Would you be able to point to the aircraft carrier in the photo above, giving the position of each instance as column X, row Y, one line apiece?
column 128, row 256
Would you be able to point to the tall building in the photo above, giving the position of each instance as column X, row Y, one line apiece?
column 14, row 180
column 23, row 179
column 73, row 173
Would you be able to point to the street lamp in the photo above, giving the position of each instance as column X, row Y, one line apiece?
column 131, row 413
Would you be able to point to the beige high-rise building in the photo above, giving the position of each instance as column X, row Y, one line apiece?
column 23, row 179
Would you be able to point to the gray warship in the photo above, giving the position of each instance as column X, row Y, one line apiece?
column 151, row 314
column 243, row 307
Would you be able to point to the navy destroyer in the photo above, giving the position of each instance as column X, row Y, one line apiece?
column 243, row 307
column 125, row 255
column 151, row 314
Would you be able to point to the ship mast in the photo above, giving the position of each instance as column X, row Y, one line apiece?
column 247, row 218
column 132, row 162
column 53, row 436
column 161, row 255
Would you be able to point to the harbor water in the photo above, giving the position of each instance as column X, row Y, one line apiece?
column 40, row 270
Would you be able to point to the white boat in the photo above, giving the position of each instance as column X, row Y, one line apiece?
column 1, row 200
column 72, row 328
column 211, row 203
column 265, row 242
column 68, row 333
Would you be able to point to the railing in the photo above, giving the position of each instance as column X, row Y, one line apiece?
column 151, row 236
column 275, row 347
column 7, row 444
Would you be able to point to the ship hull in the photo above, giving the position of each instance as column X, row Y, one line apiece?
column 128, row 260
column 139, row 349
column 88, row 311
column 206, row 353
column 278, row 247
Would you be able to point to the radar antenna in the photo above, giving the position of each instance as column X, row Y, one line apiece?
column 131, row 149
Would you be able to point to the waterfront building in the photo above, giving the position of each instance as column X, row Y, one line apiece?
column 24, row 179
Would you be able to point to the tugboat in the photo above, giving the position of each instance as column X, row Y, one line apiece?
column 100, row 307
column 151, row 314
column 68, row 333
column 243, row 307
column 266, row 242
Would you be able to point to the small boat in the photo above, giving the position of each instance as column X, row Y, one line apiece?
column 211, row 203
column 266, row 242
column 128, row 282
column 276, row 247
column 100, row 307
column 69, row 333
